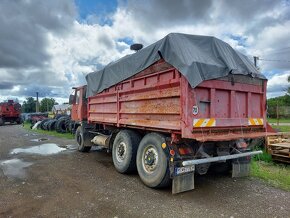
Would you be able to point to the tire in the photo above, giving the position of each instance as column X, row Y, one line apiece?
column 153, row 174
column 67, row 124
column 51, row 125
column 71, row 127
column 58, row 116
column 19, row 121
column 60, row 125
column 125, row 150
column 45, row 124
column 1, row 121
column 82, row 140
column 41, row 125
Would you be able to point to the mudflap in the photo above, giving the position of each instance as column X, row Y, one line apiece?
column 183, row 183
column 182, row 178
column 241, row 167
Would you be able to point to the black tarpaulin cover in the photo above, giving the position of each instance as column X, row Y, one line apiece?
column 198, row 58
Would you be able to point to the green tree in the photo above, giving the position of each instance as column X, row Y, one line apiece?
column 46, row 104
column 289, row 87
column 29, row 105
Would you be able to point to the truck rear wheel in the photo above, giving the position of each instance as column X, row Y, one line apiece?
column 81, row 138
column 124, row 151
column 1, row 121
column 152, row 163
column 18, row 121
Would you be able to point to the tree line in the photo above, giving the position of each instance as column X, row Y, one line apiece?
column 46, row 104
column 279, row 106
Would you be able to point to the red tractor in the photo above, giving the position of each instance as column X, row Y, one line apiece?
column 10, row 112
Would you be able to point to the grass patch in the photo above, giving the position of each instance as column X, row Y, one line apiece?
column 52, row 133
column 263, row 157
column 277, row 175
column 281, row 128
column 282, row 120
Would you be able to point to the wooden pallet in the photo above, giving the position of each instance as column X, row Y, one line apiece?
column 279, row 147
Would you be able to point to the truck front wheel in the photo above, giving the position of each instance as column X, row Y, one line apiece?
column 124, row 151
column 152, row 163
column 1, row 121
column 81, row 138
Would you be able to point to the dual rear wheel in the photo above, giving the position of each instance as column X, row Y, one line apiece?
column 131, row 153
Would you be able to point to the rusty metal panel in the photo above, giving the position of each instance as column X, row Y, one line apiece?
column 216, row 108
column 150, row 99
column 159, row 98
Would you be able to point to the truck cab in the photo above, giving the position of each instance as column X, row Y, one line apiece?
column 79, row 104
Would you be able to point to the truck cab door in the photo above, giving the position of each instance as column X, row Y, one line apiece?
column 74, row 101
column 79, row 106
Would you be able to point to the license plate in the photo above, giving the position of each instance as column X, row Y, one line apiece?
column 183, row 170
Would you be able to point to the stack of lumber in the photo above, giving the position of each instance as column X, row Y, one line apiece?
column 279, row 147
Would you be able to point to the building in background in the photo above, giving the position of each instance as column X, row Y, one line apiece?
column 61, row 109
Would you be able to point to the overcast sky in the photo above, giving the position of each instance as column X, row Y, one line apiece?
column 49, row 46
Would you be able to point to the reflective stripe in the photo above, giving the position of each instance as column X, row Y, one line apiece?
column 211, row 122
column 198, row 122
column 260, row 121
column 256, row 121
column 204, row 122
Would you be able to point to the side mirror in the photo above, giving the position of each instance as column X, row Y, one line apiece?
column 71, row 99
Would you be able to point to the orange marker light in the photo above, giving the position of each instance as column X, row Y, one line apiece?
column 163, row 145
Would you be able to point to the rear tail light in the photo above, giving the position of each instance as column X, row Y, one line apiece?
column 184, row 151
column 172, row 152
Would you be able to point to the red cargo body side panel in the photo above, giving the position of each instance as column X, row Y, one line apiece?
column 150, row 99
column 160, row 98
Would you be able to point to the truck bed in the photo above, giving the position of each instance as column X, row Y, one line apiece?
column 161, row 99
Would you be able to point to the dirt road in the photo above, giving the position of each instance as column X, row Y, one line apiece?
column 73, row 184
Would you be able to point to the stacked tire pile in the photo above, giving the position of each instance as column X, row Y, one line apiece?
column 61, row 124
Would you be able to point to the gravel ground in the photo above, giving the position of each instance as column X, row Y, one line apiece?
column 73, row 184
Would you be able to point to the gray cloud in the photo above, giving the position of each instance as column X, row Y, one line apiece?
column 24, row 59
column 43, row 49
column 23, row 25
column 169, row 12
column 6, row 85
column 245, row 11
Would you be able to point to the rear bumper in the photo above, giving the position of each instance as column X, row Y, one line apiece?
column 230, row 136
column 219, row 158
column 183, row 178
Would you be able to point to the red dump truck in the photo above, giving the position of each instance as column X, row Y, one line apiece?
column 173, row 109
column 10, row 112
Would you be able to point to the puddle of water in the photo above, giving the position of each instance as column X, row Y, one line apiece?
column 14, row 168
column 97, row 148
column 38, row 140
column 71, row 147
column 44, row 149
column 33, row 134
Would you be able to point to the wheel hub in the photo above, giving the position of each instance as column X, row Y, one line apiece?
column 150, row 159
column 121, row 151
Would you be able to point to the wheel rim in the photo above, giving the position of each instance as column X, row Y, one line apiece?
column 121, row 151
column 150, row 159
column 79, row 139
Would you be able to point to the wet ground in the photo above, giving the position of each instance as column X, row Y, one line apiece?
column 49, row 178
